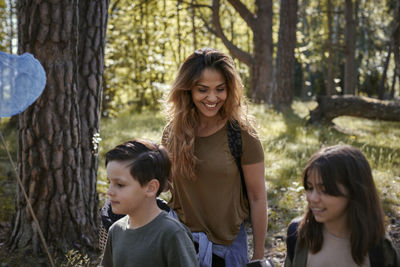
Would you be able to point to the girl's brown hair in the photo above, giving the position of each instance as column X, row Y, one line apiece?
column 345, row 165
column 179, row 134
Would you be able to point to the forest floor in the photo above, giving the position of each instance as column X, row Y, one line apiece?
column 288, row 144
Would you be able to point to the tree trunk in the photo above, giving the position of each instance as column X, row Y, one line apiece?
column 335, row 106
column 396, row 42
column 381, row 89
column 261, row 69
column 350, row 50
column 193, row 17
column 92, row 36
column 330, row 85
column 283, row 89
column 55, row 157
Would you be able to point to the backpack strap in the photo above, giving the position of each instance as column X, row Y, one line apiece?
column 235, row 146
column 376, row 257
column 291, row 239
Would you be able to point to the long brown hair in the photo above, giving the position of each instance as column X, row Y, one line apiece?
column 179, row 134
column 345, row 165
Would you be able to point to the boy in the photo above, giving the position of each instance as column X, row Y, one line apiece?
column 137, row 171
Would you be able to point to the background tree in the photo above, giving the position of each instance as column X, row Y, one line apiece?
column 350, row 41
column 260, row 59
column 59, row 177
column 283, row 89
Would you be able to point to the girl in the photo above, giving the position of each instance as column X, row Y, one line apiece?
column 206, row 98
column 343, row 224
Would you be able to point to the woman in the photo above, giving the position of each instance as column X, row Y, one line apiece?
column 207, row 195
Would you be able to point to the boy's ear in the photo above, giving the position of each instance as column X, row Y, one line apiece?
column 152, row 187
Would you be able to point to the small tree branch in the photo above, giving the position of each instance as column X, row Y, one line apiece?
column 244, row 12
column 233, row 49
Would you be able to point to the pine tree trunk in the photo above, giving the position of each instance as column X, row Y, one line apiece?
column 350, row 36
column 92, row 36
column 261, row 69
column 55, row 159
column 283, row 89
column 330, row 85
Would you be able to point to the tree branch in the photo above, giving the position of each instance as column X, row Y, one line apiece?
column 243, row 56
column 244, row 12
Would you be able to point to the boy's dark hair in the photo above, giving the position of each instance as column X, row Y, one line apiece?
column 345, row 165
column 147, row 161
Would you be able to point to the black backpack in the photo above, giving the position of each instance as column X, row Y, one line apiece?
column 375, row 254
column 235, row 146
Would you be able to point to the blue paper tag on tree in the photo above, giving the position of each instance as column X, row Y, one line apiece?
column 22, row 81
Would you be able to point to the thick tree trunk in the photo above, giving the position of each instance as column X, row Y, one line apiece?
column 56, row 163
column 261, row 69
column 283, row 89
column 335, row 106
column 350, row 50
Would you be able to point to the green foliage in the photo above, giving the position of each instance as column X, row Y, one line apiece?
column 8, row 26
column 373, row 20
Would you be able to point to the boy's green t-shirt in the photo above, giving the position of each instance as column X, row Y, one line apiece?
column 162, row 242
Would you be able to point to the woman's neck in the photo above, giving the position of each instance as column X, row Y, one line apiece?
column 209, row 126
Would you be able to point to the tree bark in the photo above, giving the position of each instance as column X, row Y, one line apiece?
column 381, row 89
column 92, row 35
column 330, row 85
column 260, row 61
column 55, row 157
column 350, row 50
column 193, row 20
column 283, row 89
column 330, row 107
column 396, row 43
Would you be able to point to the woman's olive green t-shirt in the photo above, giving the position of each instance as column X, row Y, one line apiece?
column 214, row 203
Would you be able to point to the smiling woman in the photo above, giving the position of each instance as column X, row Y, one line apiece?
column 207, row 193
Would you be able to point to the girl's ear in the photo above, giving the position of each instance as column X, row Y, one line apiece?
column 152, row 187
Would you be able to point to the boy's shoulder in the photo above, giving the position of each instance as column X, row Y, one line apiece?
column 120, row 224
column 171, row 224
